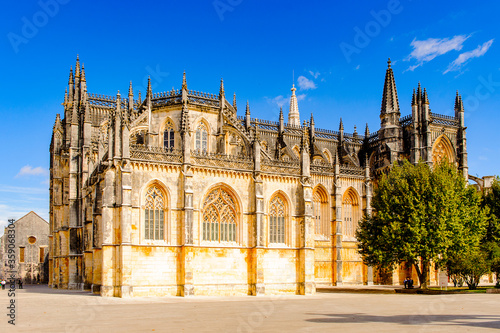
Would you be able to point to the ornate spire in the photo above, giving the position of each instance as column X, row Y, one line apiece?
column 419, row 92
column 355, row 131
column 83, row 72
column 221, row 89
column 234, row 102
column 413, row 98
column 456, row 101
column 77, row 67
column 425, row 98
column 281, row 113
column 71, row 77
column 341, row 126
column 367, row 131
column 312, row 120
column 130, row 90
column 390, row 102
column 150, row 91
column 293, row 114
column 305, row 138
column 184, row 82
column 247, row 112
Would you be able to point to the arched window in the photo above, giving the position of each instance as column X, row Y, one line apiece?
column 201, row 138
column 219, row 216
column 320, row 211
column 351, row 213
column 277, row 214
column 154, row 214
column 168, row 136
column 442, row 149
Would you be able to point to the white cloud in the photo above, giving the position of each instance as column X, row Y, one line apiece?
column 28, row 170
column 314, row 74
column 278, row 100
column 426, row 50
column 357, row 67
column 301, row 97
column 305, row 84
column 466, row 56
column 23, row 190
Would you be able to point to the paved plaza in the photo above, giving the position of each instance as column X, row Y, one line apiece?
column 41, row 309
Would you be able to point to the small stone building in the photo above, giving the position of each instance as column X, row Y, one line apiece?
column 31, row 247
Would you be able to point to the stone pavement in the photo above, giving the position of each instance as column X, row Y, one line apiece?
column 41, row 309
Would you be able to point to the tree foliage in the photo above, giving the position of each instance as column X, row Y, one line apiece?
column 422, row 215
column 492, row 236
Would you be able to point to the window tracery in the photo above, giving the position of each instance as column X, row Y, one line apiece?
column 277, row 220
column 219, row 217
column 154, row 214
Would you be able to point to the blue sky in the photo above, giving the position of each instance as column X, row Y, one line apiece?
column 334, row 52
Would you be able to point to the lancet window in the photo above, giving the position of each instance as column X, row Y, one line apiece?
column 351, row 213
column 277, row 215
column 320, row 211
column 201, row 138
column 168, row 136
column 154, row 214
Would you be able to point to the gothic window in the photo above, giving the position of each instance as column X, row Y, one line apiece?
column 154, row 214
column 168, row 136
column 277, row 220
column 351, row 213
column 219, row 216
column 201, row 138
column 320, row 211
column 442, row 150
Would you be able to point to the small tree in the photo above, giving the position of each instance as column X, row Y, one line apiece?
column 469, row 266
column 421, row 215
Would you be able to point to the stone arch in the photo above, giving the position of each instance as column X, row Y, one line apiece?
column 296, row 150
column 321, row 211
column 351, row 212
column 220, row 215
column 442, row 148
column 328, row 155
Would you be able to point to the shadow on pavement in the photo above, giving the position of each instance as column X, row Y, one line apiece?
column 485, row 321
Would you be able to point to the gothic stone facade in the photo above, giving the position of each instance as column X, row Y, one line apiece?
column 30, row 235
column 178, row 195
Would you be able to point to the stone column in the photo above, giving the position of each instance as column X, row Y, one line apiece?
column 337, row 263
column 306, row 252
column 186, row 256
column 108, row 239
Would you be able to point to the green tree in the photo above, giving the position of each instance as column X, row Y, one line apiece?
column 421, row 215
column 492, row 237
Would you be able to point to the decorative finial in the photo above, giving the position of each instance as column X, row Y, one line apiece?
column 367, row 131
column 312, row 119
column 184, row 82
column 247, row 112
column 130, row 90
column 281, row 113
column 149, row 85
column 341, row 127
column 234, row 101
column 221, row 90
column 389, row 63
column 83, row 72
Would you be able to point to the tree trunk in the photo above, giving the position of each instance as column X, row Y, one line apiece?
column 422, row 273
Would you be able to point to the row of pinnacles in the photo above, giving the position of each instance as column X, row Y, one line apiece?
column 178, row 195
